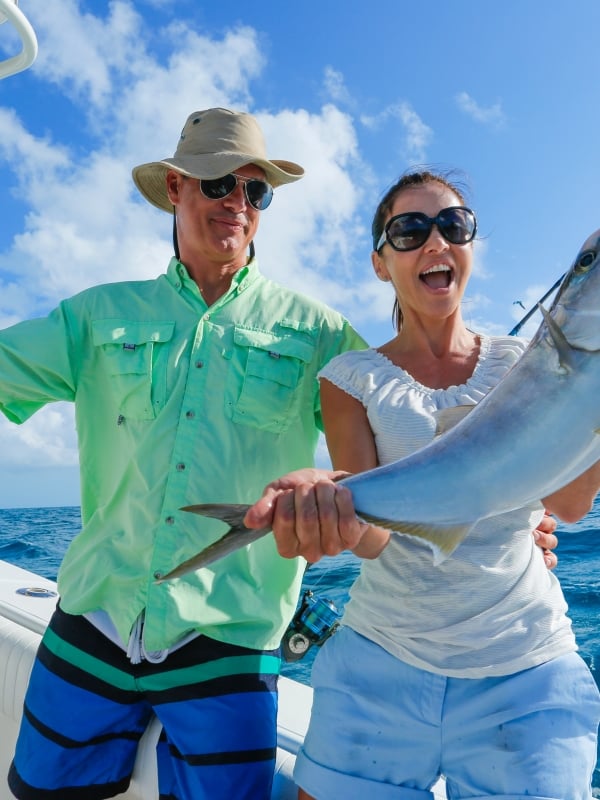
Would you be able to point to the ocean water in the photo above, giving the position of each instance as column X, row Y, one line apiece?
column 36, row 539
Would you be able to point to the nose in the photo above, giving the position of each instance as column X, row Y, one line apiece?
column 435, row 242
column 237, row 199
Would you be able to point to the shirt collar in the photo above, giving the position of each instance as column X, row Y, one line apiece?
column 179, row 277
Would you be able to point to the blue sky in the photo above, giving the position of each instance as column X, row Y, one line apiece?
column 356, row 92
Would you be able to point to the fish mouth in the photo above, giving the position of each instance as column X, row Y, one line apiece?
column 438, row 276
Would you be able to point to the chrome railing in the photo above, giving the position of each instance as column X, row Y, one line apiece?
column 9, row 12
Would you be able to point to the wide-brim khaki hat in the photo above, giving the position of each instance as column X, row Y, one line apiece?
column 213, row 143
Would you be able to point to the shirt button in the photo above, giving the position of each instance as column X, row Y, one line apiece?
column 190, row 414
column 199, row 364
column 170, row 520
column 180, row 467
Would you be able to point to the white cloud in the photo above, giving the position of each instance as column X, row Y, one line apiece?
column 310, row 237
column 336, row 88
column 47, row 439
column 80, row 50
column 417, row 135
column 480, row 248
column 85, row 222
column 493, row 115
column 28, row 155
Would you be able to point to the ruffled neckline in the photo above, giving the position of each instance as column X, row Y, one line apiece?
column 490, row 363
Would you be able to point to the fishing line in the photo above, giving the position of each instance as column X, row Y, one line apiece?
column 320, row 578
column 532, row 310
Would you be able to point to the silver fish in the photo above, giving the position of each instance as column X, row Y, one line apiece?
column 531, row 435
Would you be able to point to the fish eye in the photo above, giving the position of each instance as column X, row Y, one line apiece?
column 586, row 259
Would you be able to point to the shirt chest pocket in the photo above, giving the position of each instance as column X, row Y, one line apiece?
column 267, row 378
column 135, row 356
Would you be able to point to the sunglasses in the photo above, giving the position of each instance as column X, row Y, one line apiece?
column 409, row 231
column 258, row 193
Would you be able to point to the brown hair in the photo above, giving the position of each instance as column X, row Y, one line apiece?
column 409, row 180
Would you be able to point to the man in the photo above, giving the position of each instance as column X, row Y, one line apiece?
column 197, row 386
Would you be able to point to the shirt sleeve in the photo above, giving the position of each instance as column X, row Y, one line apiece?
column 351, row 374
column 35, row 367
column 347, row 341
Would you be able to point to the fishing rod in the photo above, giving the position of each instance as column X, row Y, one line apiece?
column 532, row 310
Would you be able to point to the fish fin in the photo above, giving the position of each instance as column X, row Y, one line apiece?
column 443, row 539
column 563, row 348
column 237, row 536
column 447, row 418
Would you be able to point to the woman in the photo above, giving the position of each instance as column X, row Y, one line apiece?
column 467, row 669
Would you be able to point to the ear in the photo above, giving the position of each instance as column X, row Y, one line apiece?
column 380, row 267
column 173, row 186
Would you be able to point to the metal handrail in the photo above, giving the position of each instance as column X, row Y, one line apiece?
column 11, row 13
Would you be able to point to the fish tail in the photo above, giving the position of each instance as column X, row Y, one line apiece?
column 237, row 536
column 231, row 513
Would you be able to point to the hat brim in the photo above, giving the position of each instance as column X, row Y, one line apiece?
column 150, row 178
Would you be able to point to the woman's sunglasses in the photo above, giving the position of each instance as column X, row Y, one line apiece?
column 409, row 231
column 258, row 193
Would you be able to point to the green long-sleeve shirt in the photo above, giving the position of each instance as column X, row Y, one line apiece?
column 178, row 403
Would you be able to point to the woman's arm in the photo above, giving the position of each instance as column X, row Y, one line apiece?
column 349, row 436
column 351, row 446
column 575, row 500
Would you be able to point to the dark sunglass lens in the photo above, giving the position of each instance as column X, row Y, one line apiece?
column 259, row 194
column 219, row 187
column 457, row 225
column 408, row 231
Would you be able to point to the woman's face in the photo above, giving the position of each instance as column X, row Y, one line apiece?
column 431, row 280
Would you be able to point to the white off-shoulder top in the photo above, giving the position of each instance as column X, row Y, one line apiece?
column 493, row 607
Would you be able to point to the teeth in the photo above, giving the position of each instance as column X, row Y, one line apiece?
column 437, row 268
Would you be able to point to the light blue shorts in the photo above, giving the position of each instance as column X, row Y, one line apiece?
column 383, row 730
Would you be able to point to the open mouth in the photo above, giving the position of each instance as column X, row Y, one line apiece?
column 437, row 277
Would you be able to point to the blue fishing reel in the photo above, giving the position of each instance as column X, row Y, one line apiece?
column 314, row 622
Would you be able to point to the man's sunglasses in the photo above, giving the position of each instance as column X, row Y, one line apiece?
column 409, row 231
column 258, row 193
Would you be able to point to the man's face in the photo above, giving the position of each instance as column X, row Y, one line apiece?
column 216, row 231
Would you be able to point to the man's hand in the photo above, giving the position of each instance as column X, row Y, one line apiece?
column 545, row 538
column 312, row 516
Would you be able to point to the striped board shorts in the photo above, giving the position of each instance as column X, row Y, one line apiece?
column 87, row 707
